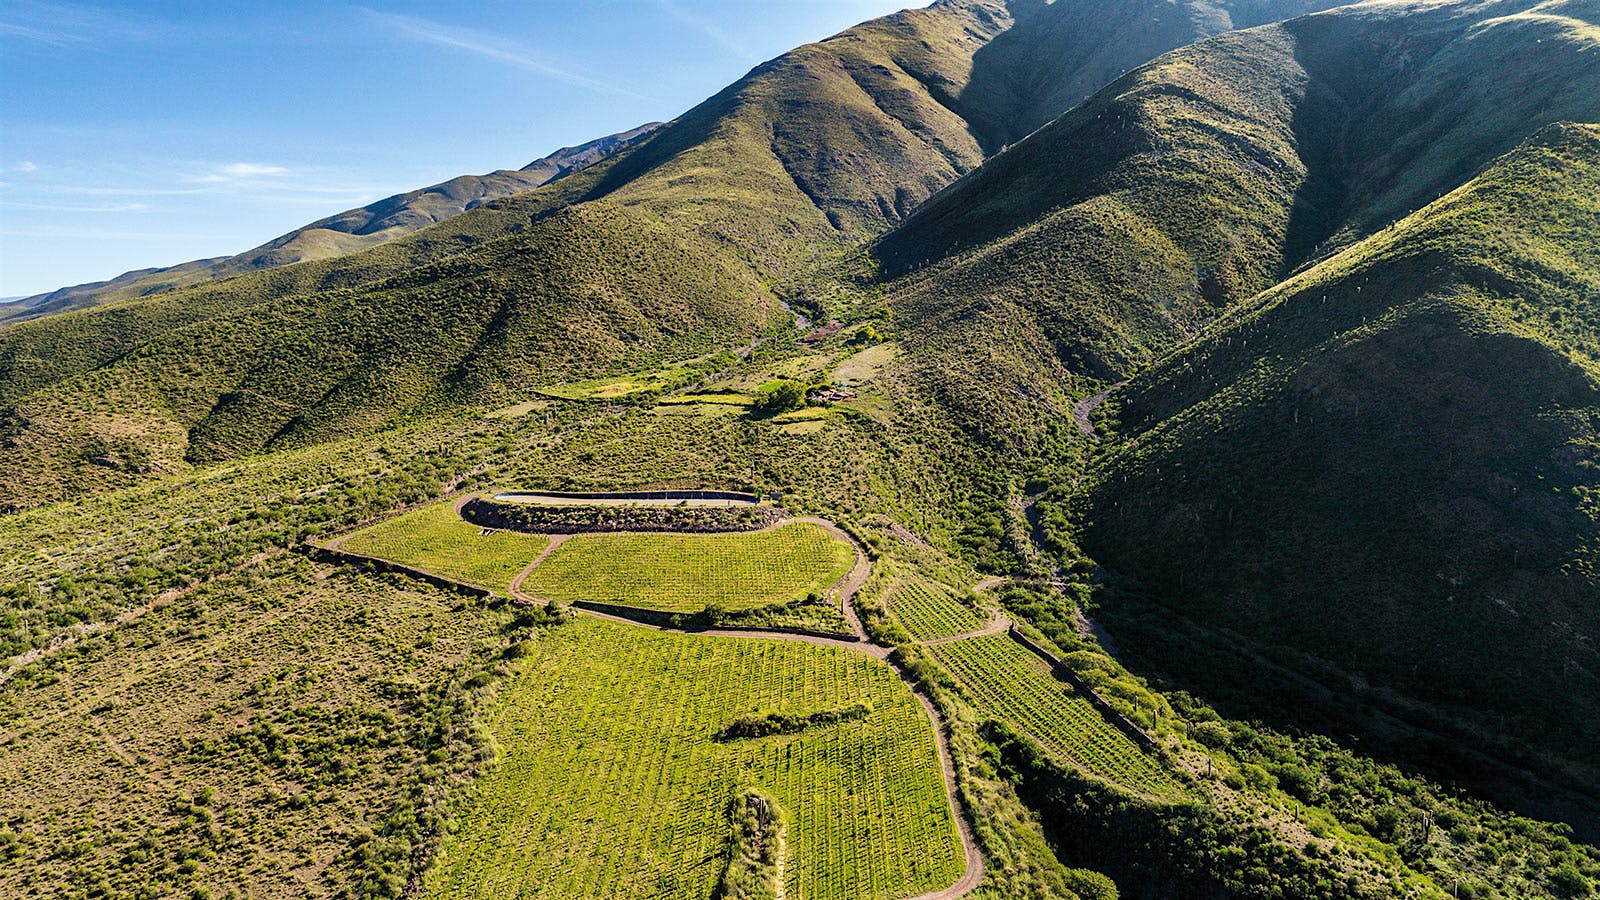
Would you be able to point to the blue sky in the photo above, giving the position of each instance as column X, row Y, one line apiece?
column 144, row 134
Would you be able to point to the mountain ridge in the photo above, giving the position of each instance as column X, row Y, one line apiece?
column 339, row 234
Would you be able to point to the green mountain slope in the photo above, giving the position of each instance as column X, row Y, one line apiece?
column 1385, row 473
column 1204, row 177
column 788, row 167
column 341, row 234
column 483, row 327
column 1016, row 89
column 1351, row 484
column 1137, row 221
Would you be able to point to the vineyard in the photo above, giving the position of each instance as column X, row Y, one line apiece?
column 929, row 612
column 613, row 784
column 688, row 572
column 435, row 539
column 1008, row 682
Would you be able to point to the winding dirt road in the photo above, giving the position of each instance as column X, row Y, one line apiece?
column 1083, row 408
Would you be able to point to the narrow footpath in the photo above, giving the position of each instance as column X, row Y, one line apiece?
column 1083, row 408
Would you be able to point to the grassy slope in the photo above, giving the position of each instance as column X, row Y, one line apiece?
column 689, row 572
column 900, row 459
column 228, row 744
column 1385, row 468
column 436, row 539
column 76, row 558
column 1204, row 177
column 661, row 251
column 590, row 289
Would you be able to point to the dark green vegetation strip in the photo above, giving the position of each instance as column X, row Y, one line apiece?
column 755, row 859
column 579, row 519
column 766, row 724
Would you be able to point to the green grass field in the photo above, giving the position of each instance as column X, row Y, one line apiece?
column 929, row 612
column 612, row 785
column 865, row 365
column 1006, row 681
column 687, row 572
column 434, row 538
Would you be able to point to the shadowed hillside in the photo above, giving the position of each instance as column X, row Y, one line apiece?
column 1015, row 89
column 1386, row 468
column 1458, row 426
column 1191, row 184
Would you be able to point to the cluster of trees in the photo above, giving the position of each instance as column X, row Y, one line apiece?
column 754, row 726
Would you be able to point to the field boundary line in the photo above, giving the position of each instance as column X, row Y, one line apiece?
column 996, row 624
column 556, row 540
column 322, row 553
column 846, row 588
column 662, row 620
column 331, row 539
column 1066, row 673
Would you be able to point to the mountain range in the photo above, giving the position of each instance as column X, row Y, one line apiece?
column 1339, row 268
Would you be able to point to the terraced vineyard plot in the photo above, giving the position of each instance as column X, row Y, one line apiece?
column 436, row 539
column 1010, row 683
column 929, row 612
column 687, row 572
column 613, row 786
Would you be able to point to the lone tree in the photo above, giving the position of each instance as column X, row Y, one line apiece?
column 781, row 397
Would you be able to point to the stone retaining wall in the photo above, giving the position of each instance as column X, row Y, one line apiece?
column 584, row 519
column 661, row 619
column 329, row 555
column 1066, row 673
column 734, row 496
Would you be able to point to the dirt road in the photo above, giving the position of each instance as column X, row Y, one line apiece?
column 1083, row 408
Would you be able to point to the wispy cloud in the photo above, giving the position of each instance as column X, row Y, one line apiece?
column 250, row 181
column 497, row 48
column 64, row 24
column 26, row 166
column 707, row 28
column 82, row 191
column 250, row 170
column 239, row 171
column 55, row 37
column 78, row 208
